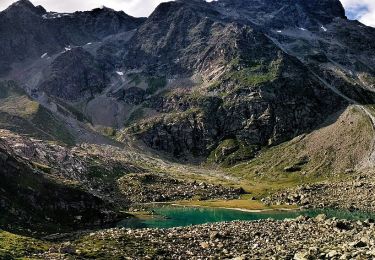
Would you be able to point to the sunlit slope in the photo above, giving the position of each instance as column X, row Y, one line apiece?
column 19, row 113
column 341, row 146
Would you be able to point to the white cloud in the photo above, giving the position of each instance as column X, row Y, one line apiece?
column 363, row 10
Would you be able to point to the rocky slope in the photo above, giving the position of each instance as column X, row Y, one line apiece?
column 91, row 183
column 303, row 238
column 28, row 198
column 354, row 194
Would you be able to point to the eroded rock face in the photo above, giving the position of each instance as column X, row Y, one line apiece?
column 27, row 197
column 73, row 75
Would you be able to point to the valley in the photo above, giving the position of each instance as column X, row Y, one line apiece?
column 259, row 116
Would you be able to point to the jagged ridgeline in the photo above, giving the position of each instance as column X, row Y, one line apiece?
column 100, row 111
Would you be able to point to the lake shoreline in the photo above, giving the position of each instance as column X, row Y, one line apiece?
column 238, row 209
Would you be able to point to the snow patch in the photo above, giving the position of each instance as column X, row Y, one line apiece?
column 302, row 29
column 279, row 31
column 44, row 55
column 323, row 28
column 89, row 43
column 120, row 73
column 54, row 15
column 68, row 49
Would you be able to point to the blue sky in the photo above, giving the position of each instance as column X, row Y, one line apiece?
column 363, row 10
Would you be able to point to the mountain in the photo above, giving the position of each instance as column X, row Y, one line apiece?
column 28, row 32
column 101, row 112
column 242, row 66
column 191, row 59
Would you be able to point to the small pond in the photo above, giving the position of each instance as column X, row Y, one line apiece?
column 175, row 216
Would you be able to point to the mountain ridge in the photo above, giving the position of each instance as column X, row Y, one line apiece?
column 199, row 41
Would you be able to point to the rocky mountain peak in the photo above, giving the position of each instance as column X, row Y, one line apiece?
column 26, row 6
column 103, row 9
column 283, row 13
column 23, row 3
column 325, row 9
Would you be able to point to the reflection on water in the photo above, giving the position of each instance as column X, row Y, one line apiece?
column 170, row 216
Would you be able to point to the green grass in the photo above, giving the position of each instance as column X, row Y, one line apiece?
column 135, row 116
column 243, row 73
column 135, row 78
column 20, row 247
column 72, row 110
column 254, row 73
column 231, row 151
column 155, row 84
column 97, row 171
column 270, row 166
column 145, row 126
column 247, row 77
column 42, row 167
column 319, row 156
column 19, row 113
column 107, row 131
column 111, row 247
column 48, row 123
column 214, row 86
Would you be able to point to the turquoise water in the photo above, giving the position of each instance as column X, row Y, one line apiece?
column 169, row 216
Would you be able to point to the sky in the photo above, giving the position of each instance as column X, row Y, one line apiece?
column 363, row 10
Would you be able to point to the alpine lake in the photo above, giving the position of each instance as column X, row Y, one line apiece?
column 169, row 216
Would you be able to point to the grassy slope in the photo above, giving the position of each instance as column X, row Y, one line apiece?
column 87, row 247
column 19, row 113
column 330, row 152
column 19, row 247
